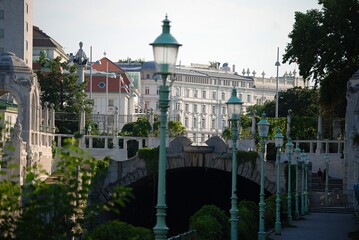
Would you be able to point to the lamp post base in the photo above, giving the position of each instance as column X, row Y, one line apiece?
column 261, row 235
column 278, row 228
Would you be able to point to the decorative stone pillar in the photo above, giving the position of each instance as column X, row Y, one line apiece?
column 351, row 154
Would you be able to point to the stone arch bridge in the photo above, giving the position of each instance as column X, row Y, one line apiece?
column 182, row 154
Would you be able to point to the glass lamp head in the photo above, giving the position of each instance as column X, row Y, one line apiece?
column 234, row 106
column 165, row 50
column 263, row 127
column 278, row 139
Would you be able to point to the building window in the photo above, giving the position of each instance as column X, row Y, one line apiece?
column 203, row 108
column 158, row 91
column 186, row 107
column 101, row 85
column 224, row 123
column 194, row 137
column 148, row 76
column 195, row 108
column 1, row 33
column 204, row 94
column 27, row 45
column 27, row 8
column 223, row 96
column 213, row 109
column 147, row 90
column 203, row 123
column 111, row 102
column 249, row 99
column 1, row 14
column 147, row 104
column 240, row 96
column 178, row 106
column 157, row 105
column 195, row 93
column 213, row 124
column 224, row 110
column 194, row 122
column 186, row 121
column 187, row 92
column 178, row 93
column 214, row 95
column 27, row 27
column 243, row 84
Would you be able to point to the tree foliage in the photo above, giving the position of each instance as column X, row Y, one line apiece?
column 142, row 128
column 59, row 86
column 325, row 45
column 57, row 208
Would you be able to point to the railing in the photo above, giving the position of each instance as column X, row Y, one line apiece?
column 102, row 142
column 184, row 236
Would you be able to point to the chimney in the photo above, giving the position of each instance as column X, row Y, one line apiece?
column 234, row 68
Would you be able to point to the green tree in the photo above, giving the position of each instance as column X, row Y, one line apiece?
column 302, row 101
column 324, row 44
column 59, row 86
column 175, row 128
column 57, row 208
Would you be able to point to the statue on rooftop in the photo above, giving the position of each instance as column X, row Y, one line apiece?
column 80, row 58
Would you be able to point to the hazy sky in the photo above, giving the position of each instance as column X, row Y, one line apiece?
column 244, row 33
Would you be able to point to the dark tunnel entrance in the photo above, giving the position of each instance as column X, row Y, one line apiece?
column 188, row 189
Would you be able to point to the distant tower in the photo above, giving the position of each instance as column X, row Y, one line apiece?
column 16, row 28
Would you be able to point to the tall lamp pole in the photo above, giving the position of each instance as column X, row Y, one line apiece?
column 297, row 158
column 263, row 128
column 302, row 162
column 234, row 106
column 278, row 138
column 289, row 147
column 277, row 64
column 165, row 50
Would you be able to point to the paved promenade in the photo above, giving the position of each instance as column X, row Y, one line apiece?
column 319, row 226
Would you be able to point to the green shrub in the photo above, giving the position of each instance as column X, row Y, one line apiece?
column 217, row 214
column 270, row 213
column 116, row 230
column 207, row 227
column 248, row 220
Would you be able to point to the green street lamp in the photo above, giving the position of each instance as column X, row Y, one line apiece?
column 234, row 106
column 278, row 139
column 326, row 158
column 263, row 128
column 306, row 200
column 302, row 162
column 165, row 49
column 297, row 158
column 289, row 147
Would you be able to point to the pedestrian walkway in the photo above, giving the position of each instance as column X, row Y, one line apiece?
column 319, row 226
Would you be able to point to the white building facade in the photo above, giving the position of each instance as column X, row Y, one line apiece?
column 198, row 95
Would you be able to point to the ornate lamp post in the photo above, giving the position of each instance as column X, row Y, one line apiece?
column 263, row 128
column 326, row 158
column 234, row 106
column 278, row 138
column 297, row 158
column 289, row 147
column 165, row 49
column 302, row 162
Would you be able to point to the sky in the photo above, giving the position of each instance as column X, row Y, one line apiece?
column 244, row 33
